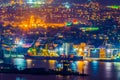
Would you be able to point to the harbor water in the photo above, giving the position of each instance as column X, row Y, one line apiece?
column 95, row 70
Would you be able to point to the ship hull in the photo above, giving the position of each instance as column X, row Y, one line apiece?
column 76, row 58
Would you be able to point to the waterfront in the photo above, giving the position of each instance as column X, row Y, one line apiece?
column 96, row 70
column 59, row 40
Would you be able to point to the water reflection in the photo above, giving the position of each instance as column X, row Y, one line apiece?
column 95, row 64
column 80, row 66
column 108, row 66
column 103, row 70
column 52, row 64
column 19, row 63
column 117, row 66
column 108, row 69
column 59, row 77
column 117, row 69
column 20, row 78
column 29, row 63
column 95, row 67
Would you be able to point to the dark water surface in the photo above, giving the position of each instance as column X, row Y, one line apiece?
column 96, row 70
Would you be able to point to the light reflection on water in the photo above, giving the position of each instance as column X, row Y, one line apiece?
column 52, row 64
column 19, row 63
column 20, row 78
column 95, row 67
column 80, row 66
column 108, row 69
column 96, row 70
column 29, row 63
column 117, row 69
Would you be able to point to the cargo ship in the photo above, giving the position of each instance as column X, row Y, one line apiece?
column 37, row 57
column 46, row 54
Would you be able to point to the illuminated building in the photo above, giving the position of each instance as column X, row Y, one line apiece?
column 36, row 2
column 12, row 2
column 39, row 1
column 83, row 13
column 114, row 7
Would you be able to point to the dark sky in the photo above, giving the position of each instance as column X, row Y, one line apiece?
column 103, row 2
column 110, row 2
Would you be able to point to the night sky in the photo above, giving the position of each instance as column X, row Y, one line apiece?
column 103, row 2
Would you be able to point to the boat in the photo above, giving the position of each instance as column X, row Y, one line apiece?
column 46, row 54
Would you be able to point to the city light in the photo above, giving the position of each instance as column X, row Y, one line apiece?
column 67, row 5
column 36, row 2
column 114, row 7
column 60, row 38
column 89, row 28
column 108, row 50
column 80, row 50
column 61, row 49
column 20, row 43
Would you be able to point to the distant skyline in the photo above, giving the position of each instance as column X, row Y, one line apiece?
column 103, row 2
